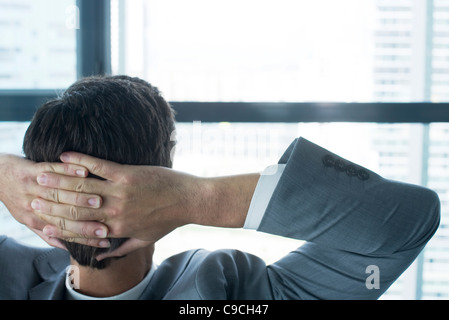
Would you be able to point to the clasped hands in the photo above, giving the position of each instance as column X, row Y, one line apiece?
column 143, row 203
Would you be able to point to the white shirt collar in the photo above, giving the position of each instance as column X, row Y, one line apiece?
column 132, row 294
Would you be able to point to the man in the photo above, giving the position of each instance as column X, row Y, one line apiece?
column 122, row 119
column 351, row 218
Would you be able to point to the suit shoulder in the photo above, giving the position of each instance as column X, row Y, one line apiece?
column 11, row 246
column 15, row 255
column 211, row 275
column 232, row 274
column 17, row 271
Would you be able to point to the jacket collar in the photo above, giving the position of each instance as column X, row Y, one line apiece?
column 51, row 266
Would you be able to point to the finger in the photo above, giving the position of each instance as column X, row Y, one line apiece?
column 99, row 167
column 62, row 168
column 98, row 243
column 54, row 242
column 58, row 181
column 70, row 198
column 32, row 221
column 127, row 247
column 66, row 211
column 54, row 233
column 64, row 228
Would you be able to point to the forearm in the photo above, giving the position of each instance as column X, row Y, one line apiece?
column 224, row 201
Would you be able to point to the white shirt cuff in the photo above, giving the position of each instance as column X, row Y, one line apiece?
column 262, row 195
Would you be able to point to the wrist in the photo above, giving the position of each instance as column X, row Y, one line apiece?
column 224, row 201
column 203, row 201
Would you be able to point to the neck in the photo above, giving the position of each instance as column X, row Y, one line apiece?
column 120, row 276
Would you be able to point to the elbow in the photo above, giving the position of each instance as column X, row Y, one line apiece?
column 428, row 215
column 434, row 213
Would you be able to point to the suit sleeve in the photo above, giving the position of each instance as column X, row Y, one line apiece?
column 353, row 222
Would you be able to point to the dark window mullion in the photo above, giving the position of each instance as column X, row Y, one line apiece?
column 94, row 38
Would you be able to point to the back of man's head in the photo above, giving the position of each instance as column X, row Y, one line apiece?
column 118, row 118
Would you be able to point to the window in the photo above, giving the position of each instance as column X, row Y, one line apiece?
column 37, row 46
column 249, row 50
column 334, row 51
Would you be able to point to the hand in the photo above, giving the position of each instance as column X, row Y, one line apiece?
column 143, row 202
column 147, row 202
column 18, row 187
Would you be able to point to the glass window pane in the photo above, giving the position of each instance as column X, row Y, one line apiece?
column 287, row 50
column 436, row 257
column 37, row 44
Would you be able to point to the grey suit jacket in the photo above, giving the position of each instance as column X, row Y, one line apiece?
column 350, row 217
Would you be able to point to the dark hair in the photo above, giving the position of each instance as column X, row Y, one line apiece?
column 117, row 118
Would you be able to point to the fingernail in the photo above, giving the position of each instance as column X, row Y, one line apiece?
column 94, row 202
column 104, row 244
column 47, row 231
column 35, row 204
column 64, row 157
column 42, row 179
column 80, row 173
column 101, row 233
